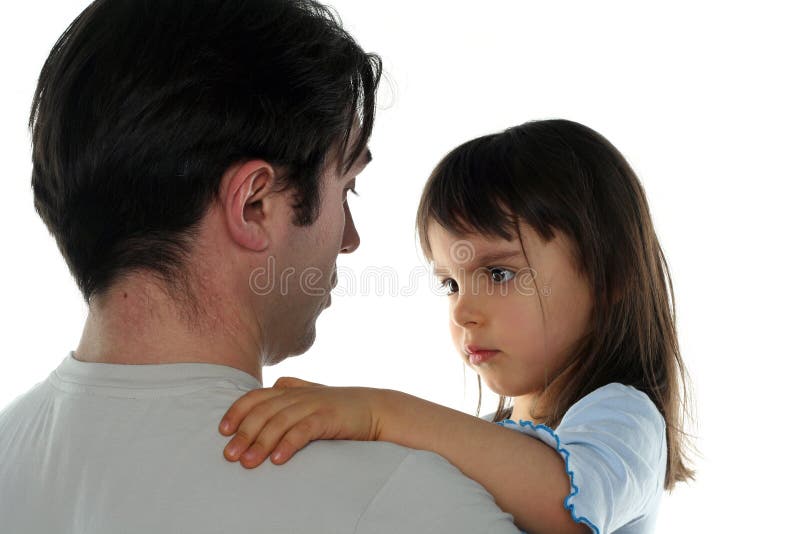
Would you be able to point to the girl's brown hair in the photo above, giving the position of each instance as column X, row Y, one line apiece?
column 561, row 175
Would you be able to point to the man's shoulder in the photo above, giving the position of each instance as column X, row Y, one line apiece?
column 427, row 494
column 167, row 449
column 360, row 459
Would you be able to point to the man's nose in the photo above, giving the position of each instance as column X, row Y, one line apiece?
column 350, row 238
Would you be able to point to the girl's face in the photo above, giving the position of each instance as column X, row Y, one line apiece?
column 515, row 324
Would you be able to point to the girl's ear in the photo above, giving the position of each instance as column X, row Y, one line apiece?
column 253, row 208
column 616, row 296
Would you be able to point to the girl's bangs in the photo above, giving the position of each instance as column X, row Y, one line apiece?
column 464, row 194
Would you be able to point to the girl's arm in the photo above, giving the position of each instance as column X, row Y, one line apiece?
column 526, row 477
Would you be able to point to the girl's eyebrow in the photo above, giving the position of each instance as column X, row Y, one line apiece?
column 488, row 258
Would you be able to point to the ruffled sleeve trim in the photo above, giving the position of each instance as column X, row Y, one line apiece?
column 547, row 435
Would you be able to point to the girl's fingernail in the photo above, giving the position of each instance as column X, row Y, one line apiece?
column 226, row 426
column 233, row 449
column 276, row 456
column 249, row 455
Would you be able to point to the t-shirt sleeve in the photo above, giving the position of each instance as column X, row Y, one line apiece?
column 613, row 442
column 426, row 494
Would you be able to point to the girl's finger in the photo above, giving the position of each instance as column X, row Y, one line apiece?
column 278, row 426
column 254, row 422
column 300, row 435
column 243, row 406
column 292, row 382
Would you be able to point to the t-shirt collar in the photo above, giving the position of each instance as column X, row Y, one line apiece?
column 149, row 376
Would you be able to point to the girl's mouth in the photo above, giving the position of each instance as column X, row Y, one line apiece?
column 479, row 355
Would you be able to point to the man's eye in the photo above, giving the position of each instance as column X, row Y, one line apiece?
column 449, row 285
column 349, row 190
column 500, row 275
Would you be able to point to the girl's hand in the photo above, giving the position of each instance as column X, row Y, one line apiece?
column 287, row 416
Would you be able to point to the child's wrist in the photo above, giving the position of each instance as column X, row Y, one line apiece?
column 385, row 412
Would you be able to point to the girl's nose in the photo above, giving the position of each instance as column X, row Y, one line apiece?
column 466, row 312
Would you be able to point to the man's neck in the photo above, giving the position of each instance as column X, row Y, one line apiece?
column 137, row 323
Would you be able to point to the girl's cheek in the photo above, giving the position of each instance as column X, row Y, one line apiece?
column 455, row 333
column 522, row 322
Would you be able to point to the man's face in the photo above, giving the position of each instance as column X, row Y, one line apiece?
column 305, row 267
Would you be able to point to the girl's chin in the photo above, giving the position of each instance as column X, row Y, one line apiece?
column 494, row 385
column 499, row 387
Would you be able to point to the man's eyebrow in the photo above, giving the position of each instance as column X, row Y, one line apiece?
column 484, row 260
column 359, row 165
column 366, row 159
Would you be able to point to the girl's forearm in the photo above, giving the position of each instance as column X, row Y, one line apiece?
column 526, row 477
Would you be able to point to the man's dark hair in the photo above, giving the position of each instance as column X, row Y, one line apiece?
column 143, row 104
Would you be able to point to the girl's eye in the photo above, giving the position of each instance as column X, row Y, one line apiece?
column 449, row 285
column 501, row 275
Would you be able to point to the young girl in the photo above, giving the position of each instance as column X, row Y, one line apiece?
column 559, row 300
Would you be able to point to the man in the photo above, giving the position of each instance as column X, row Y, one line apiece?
column 192, row 160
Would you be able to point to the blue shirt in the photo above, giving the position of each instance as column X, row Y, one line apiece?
column 614, row 446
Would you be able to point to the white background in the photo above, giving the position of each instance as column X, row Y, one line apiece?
column 702, row 99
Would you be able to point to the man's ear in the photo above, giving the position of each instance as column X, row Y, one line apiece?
column 253, row 208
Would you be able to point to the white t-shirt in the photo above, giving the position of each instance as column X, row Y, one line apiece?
column 106, row 448
column 613, row 442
